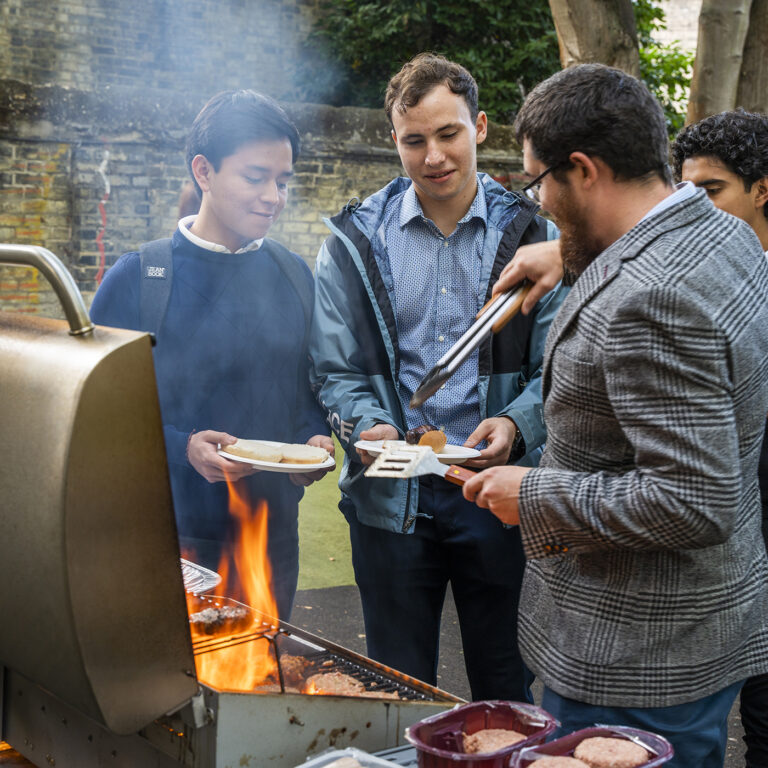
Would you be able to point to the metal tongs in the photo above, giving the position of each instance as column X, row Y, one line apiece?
column 491, row 318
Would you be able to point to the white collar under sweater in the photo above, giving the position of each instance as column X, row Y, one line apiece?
column 188, row 221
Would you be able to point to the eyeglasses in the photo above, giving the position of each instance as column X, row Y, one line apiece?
column 533, row 188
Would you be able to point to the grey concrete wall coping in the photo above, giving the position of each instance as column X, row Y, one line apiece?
column 126, row 114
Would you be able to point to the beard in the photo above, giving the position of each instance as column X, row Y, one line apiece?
column 578, row 246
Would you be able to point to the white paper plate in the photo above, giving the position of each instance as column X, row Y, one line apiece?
column 273, row 466
column 451, row 454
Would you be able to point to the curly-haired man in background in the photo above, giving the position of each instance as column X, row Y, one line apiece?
column 727, row 156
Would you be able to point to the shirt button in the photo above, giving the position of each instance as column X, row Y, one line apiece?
column 442, row 386
column 443, row 290
column 445, row 243
column 441, row 338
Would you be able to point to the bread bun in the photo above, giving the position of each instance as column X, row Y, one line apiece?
column 253, row 449
column 435, row 439
column 294, row 453
column 557, row 762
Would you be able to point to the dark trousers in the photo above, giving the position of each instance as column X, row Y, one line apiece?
column 697, row 730
column 754, row 694
column 403, row 578
column 754, row 718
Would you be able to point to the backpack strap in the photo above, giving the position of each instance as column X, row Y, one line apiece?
column 155, row 286
column 293, row 270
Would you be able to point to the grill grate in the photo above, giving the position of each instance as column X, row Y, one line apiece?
column 321, row 657
column 374, row 681
column 319, row 661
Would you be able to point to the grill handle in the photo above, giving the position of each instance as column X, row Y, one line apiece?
column 58, row 276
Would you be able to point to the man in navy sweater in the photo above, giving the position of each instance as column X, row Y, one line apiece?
column 231, row 354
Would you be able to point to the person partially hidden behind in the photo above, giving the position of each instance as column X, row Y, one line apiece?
column 231, row 347
column 727, row 156
column 645, row 599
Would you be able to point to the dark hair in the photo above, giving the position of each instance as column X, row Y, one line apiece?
column 738, row 139
column 599, row 111
column 423, row 73
column 233, row 118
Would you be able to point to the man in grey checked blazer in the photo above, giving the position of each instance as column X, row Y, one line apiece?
column 645, row 599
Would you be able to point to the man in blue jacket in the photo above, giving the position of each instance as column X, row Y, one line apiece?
column 231, row 355
column 397, row 283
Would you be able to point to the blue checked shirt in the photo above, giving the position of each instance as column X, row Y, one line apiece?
column 436, row 296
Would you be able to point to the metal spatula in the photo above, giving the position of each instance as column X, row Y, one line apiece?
column 415, row 460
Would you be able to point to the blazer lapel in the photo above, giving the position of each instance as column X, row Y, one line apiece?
column 594, row 278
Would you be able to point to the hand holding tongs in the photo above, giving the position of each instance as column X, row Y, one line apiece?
column 492, row 317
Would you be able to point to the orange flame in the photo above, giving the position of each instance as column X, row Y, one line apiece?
column 245, row 666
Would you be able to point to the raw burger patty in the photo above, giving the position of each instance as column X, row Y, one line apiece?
column 490, row 740
column 602, row 752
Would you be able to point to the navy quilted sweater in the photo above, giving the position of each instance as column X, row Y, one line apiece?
column 229, row 358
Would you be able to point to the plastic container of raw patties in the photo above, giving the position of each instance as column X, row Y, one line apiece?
column 660, row 749
column 439, row 739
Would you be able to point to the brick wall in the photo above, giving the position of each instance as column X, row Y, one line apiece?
column 53, row 141
column 195, row 47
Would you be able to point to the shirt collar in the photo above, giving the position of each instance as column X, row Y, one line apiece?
column 188, row 221
column 410, row 207
column 682, row 192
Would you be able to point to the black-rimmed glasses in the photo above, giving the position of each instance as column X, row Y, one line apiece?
column 533, row 188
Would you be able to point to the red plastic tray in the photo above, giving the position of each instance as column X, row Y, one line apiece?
column 438, row 739
column 564, row 746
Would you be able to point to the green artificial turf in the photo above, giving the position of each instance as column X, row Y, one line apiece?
column 325, row 559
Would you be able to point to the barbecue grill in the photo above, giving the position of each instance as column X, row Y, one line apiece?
column 97, row 665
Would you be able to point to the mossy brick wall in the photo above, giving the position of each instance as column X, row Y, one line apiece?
column 53, row 141
column 197, row 47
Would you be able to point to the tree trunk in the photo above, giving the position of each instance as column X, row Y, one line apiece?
column 601, row 31
column 753, row 83
column 723, row 26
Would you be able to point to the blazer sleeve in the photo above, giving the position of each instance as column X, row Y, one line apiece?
column 338, row 371
column 665, row 365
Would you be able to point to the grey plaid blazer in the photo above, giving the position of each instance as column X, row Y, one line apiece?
column 647, row 578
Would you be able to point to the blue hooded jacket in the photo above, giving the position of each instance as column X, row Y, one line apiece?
column 354, row 345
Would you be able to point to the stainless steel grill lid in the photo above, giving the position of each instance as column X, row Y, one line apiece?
column 92, row 596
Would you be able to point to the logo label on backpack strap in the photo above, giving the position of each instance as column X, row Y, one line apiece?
column 156, row 272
